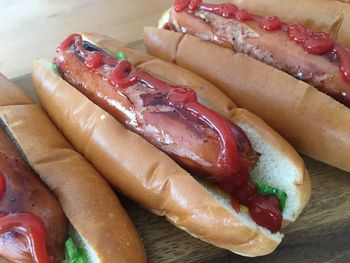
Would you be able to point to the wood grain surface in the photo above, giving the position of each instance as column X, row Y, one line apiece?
column 31, row 29
column 321, row 234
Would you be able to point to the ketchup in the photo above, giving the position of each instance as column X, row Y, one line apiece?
column 2, row 185
column 225, row 10
column 181, row 5
column 235, row 176
column 270, row 23
column 68, row 41
column 243, row 15
column 264, row 210
column 313, row 42
column 32, row 228
column 344, row 57
column 93, row 60
column 316, row 43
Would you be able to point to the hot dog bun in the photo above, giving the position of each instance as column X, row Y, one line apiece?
column 148, row 176
column 319, row 15
column 98, row 220
column 314, row 123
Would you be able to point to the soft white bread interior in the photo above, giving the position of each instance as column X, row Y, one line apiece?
column 164, row 19
column 151, row 178
column 106, row 232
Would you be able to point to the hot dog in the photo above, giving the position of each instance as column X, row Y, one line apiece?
column 141, row 109
column 127, row 114
column 33, row 221
column 231, row 35
column 268, row 40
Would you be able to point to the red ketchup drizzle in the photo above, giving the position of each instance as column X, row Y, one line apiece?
column 313, row 42
column 181, row 97
column 316, row 43
column 270, row 23
column 181, row 5
column 262, row 209
column 344, row 57
column 243, row 15
column 93, row 60
column 32, row 228
column 225, row 10
column 65, row 44
column 2, row 185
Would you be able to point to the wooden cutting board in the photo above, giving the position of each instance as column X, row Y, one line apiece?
column 321, row 234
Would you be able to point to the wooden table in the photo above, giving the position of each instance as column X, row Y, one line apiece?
column 32, row 29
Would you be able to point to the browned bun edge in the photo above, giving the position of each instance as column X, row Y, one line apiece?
column 319, row 15
column 87, row 200
column 11, row 94
column 146, row 174
column 311, row 121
